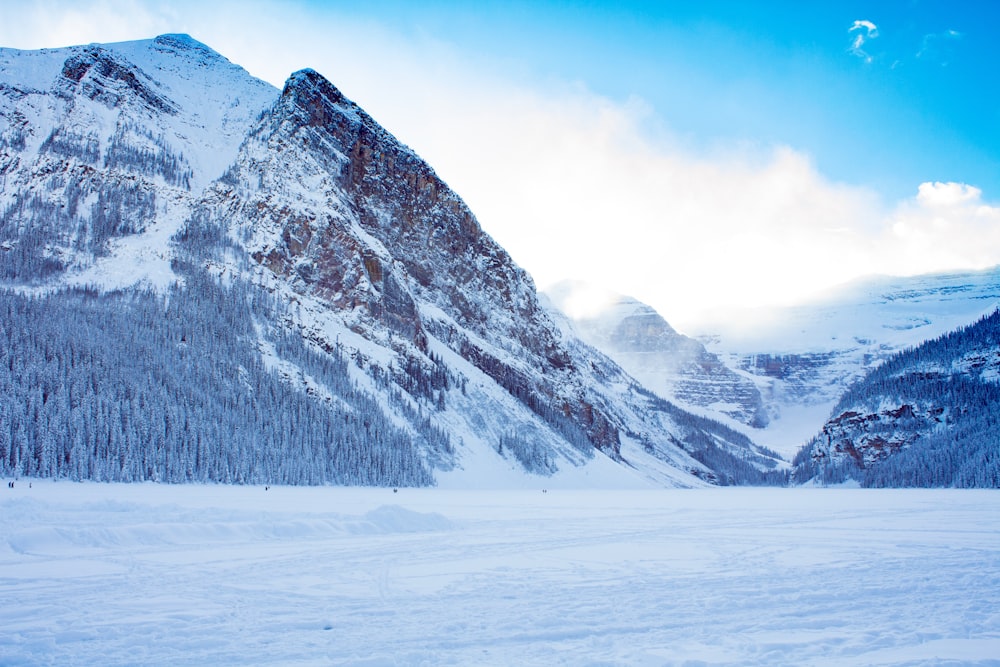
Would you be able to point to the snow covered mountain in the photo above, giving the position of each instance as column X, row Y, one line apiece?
column 107, row 146
column 929, row 416
column 211, row 279
column 803, row 358
column 647, row 347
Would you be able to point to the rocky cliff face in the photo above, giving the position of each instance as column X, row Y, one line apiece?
column 803, row 358
column 671, row 364
column 865, row 438
column 160, row 162
column 329, row 201
column 926, row 417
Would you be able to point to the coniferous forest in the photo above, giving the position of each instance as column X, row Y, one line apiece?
column 940, row 398
column 213, row 379
column 135, row 385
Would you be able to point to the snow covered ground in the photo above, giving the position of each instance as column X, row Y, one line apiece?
column 192, row 575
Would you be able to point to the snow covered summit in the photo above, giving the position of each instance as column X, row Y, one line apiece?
column 269, row 286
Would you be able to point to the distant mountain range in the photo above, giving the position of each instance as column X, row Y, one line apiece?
column 208, row 279
column 803, row 358
column 204, row 278
column 647, row 347
column 805, row 365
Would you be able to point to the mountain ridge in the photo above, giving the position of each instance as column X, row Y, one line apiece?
column 926, row 417
column 361, row 283
column 675, row 366
column 804, row 357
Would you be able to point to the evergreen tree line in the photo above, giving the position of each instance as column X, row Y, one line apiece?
column 35, row 225
column 930, row 364
column 958, row 448
column 741, row 464
column 16, row 134
column 158, row 160
column 533, row 457
column 83, row 147
column 27, row 235
column 133, row 385
column 153, row 157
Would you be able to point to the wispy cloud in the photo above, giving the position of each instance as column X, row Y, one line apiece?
column 861, row 32
column 938, row 47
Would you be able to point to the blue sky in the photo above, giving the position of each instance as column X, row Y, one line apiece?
column 695, row 155
column 917, row 100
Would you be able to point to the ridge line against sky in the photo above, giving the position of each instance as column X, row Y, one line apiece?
column 694, row 156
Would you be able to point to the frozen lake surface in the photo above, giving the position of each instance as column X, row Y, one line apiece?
column 193, row 575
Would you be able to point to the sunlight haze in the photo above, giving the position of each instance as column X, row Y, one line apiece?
column 696, row 158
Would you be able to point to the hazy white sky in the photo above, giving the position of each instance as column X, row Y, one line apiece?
column 693, row 161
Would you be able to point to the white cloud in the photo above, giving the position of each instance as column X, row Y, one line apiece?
column 862, row 31
column 870, row 29
column 938, row 48
column 576, row 185
column 946, row 226
column 946, row 195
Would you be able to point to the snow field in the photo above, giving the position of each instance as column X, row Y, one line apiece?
column 183, row 575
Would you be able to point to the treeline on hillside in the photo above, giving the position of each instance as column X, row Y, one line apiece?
column 80, row 209
column 963, row 450
column 739, row 464
column 134, row 385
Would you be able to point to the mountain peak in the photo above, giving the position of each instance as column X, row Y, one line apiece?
column 186, row 45
column 180, row 40
column 321, row 100
column 375, row 297
column 639, row 339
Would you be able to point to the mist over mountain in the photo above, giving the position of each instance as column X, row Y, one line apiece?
column 803, row 358
column 885, row 381
column 208, row 279
column 818, row 371
column 647, row 347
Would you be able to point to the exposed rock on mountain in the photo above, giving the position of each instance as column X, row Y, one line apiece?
column 647, row 347
column 926, row 417
column 802, row 358
column 325, row 309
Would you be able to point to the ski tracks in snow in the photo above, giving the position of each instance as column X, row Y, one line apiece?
column 195, row 575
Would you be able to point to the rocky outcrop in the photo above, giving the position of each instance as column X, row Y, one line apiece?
column 364, row 281
column 665, row 361
column 101, row 75
column 332, row 202
column 864, row 438
column 926, row 417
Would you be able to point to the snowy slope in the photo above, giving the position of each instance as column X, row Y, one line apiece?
column 111, row 141
column 200, row 103
column 804, row 357
column 646, row 346
column 159, row 162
